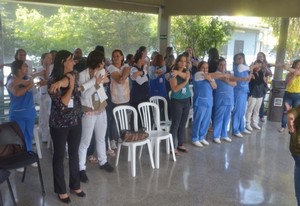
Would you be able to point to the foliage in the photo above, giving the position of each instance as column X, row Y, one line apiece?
column 293, row 41
column 68, row 28
column 199, row 32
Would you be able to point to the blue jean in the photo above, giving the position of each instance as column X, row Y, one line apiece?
column 181, row 109
column 297, row 178
column 293, row 99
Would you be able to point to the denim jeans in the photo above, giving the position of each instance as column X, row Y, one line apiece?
column 297, row 178
column 293, row 99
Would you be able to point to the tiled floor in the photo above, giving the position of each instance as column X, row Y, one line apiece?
column 255, row 170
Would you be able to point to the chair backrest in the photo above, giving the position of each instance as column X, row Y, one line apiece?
column 122, row 115
column 149, row 111
column 11, row 139
column 157, row 100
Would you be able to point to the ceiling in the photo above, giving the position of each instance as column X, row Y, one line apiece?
column 272, row 8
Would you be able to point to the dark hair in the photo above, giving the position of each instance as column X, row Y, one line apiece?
column 53, row 51
column 58, row 66
column 17, row 52
column 100, row 49
column 139, row 54
column 295, row 62
column 186, row 54
column 158, row 60
column 200, row 65
column 239, row 54
column 221, row 59
column 115, row 51
column 177, row 60
column 94, row 59
column 258, row 61
column 15, row 66
column 213, row 54
column 128, row 57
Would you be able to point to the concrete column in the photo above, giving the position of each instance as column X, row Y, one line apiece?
column 163, row 30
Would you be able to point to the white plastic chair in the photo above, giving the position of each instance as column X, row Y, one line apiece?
column 164, row 124
column 147, row 112
column 191, row 112
column 37, row 141
column 121, row 116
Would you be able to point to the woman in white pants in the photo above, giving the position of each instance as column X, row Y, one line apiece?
column 93, row 100
column 256, row 87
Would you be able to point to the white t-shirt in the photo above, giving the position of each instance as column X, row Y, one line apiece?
column 44, row 89
column 120, row 93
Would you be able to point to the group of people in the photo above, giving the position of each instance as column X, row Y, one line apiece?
column 78, row 94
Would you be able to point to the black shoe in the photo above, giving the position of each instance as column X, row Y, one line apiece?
column 107, row 167
column 79, row 194
column 83, row 177
column 66, row 200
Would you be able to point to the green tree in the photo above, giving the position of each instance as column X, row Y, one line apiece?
column 68, row 28
column 199, row 32
column 293, row 41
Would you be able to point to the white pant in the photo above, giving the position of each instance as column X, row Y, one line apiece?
column 89, row 124
column 44, row 112
column 253, row 108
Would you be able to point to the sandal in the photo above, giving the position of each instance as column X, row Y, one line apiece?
column 92, row 159
column 182, row 149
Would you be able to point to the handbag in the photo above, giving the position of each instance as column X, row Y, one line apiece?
column 133, row 136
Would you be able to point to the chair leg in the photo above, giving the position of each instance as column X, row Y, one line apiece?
column 118, row 154
column 172, row 147
column 141, row 151
column 168, row 146
column 41, row 178
column 37, row 143
column 150, row 154
column 24, row 173
column 157, row 148
column 11, row 192
column 133, row 160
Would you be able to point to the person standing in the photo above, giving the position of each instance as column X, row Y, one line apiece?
column 21, row 108
column 93, row 100
column 44, row 98
column 65, row 124
column 180, row 101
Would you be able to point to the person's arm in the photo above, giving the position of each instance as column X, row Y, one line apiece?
column 177, row 87
column 209, row 78
column 134, row 73
column 179, row 73
column 119, row 78
column 13, row 86
column 65, row 99
column 291, row 76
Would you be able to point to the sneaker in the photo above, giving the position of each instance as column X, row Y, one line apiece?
column 197, row 144
column 204, row 142
column 249, row 128
column 262, row 119
column 281, row 130
column 20, row 169
column 217, row 140
column 113, row 144
column 82, row 176
column 238, row 135
column 226, row 139
column 107, row 167
column 34, row 164
column 247, row 131
column 256, row 127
